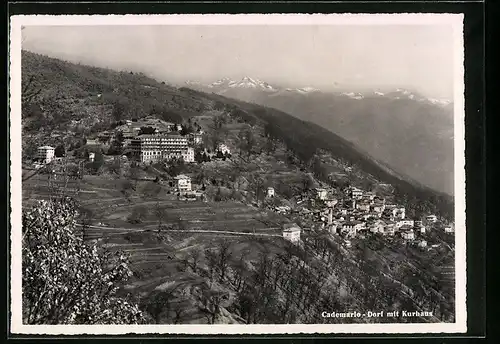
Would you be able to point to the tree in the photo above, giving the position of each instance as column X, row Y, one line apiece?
column 211, row 302
column 307, row 183
column 134, row 174
column 219, row 155
column 116, row 147
column 271, row 145
column 223, row 258
column 98, row 162
column 126, row 189
column 218, row 131
column 73, row 171
column 118, row 111
column 319, row 170
column 194, row 259
column 68, row 281
column 151, row 190
column 29, row 150
column 177, row 166
column 138, row 215
column 160, row 215
column 206, row 158
column 59, row 152
column 115, row 167
column 159, row 303
column 198, row 156
column 247, row 140
column 257, row 184
column 186, row 129
column 147, row 130
column 179, row 312
column 306, row 153
column 86, row 216
column 30, row 89
column 218, row 195
column 119, row 137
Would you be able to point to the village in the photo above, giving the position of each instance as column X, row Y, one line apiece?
column 357, row 214
column 349, row 213
column 171, row 203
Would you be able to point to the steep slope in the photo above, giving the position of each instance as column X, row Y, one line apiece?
column 410, row 132
column 415, row 138
column 97, row 96
column 65, row 92
column 305, row 136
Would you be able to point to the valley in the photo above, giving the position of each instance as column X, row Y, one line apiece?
column 209, row 236
column 410, row 132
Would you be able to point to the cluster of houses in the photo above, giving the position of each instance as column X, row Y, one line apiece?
column 164, row 143
column 357, row 212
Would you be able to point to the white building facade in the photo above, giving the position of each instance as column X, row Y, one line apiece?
column 408, row 235
column 321, row 194
column 188, row 155
column 291, row 232
column 270, row 192
column 46, row 154
column 183, row 183
column 223, row 148
column 154, row 148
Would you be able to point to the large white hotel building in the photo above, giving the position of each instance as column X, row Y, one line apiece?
column 153, row 148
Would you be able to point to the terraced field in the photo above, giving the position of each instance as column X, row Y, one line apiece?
column 158, row 258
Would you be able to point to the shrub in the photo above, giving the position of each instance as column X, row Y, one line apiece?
column 66, row 280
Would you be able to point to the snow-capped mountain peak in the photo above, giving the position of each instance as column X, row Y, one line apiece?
column 403, row 91
column 303, row 90
column 307, row 89
column 353, row 95
column 226, row 84
column 245, row 82
column 442, row 102
column 219, row 82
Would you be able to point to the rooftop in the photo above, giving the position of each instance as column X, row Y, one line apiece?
column 353, row 223
column 291, row 227
column 168, row 136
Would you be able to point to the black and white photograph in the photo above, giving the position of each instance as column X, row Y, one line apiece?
column 232, row 174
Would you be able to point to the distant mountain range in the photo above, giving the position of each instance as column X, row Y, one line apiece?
column 226, row 85
column 410, row 132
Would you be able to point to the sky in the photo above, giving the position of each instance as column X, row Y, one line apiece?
column 322, row 56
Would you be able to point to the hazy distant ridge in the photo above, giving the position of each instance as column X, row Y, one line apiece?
column 410, row 132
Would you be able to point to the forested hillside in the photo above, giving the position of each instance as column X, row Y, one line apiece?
column 66, row 96
column 410, row 132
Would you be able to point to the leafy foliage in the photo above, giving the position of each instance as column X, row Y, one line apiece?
column 139, row 213
column 60, row 151
column 68, row 281
column 247, row 140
